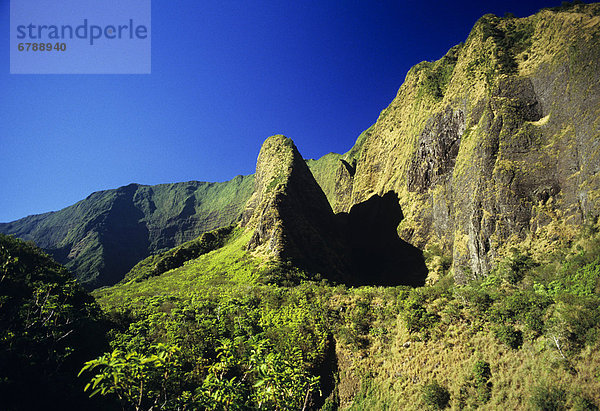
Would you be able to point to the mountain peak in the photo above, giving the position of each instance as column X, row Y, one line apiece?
column 289, row 213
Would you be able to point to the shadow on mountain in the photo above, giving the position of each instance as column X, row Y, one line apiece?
column 124, row 237
column 377, row 254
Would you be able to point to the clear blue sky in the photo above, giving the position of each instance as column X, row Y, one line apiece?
column 225, row 75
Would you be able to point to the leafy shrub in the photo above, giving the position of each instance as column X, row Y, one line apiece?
column 417, row 318
column 583, row 403
column 576, row 319
column 133, row 376
column 545, row 398
column 435, row 396
column 246, row 349
column 481, row 376
column 510, row 336
column 48, row 326
column 283, row 274
column 514, row 267
column 477, row 388
column 358, row 319
column 581, row 280
column 477, row 299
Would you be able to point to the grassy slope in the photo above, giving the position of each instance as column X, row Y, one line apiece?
column 325, row 168
column 160, row 263
column 440, row 332
column 219, row 271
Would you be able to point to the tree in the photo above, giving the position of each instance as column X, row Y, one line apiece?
column 48, row 325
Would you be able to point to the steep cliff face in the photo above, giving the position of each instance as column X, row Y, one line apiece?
column 496, row 145
column 100, row 238
column 293, row 221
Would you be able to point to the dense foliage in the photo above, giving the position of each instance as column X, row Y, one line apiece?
column 222, row 331
column 48, row 326
column 257, row 347
column 204, row 337
column 218, row 339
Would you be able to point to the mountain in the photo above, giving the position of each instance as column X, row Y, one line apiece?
column 292, row 221
column 494, row 146
column 102, row 237
column 482, row 175
column 491, row 148
column 290, row 216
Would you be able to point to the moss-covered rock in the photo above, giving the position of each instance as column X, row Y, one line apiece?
column 289, row 214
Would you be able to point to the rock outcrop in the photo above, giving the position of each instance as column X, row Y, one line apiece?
column 292, row 221
column 290, row 215
column 494, row 146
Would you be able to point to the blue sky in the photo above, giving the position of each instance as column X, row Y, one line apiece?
column 225, row 75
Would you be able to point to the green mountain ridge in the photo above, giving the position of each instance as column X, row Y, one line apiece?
column 484, row 148
column 102, row 237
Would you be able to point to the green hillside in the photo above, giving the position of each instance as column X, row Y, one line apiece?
column 527, row 337
column 221, row 332
column 102, row 237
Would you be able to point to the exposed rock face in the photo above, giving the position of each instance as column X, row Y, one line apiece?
column 100, row 238
column 438, row 147
column 293, row 221
column 496, row 145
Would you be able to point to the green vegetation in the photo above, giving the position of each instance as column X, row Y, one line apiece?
column 48, row 326
column 324, row 171
column 87, row 237
column 232, row 352
column 210, row 324
column 548, row 398
column 435, row 396
column 228, row 340
column 176, row 257
column 214, row 337
column 438, row 74
column 229, row 330
column 481, row 381
column 510, row 37
column 514, row 326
